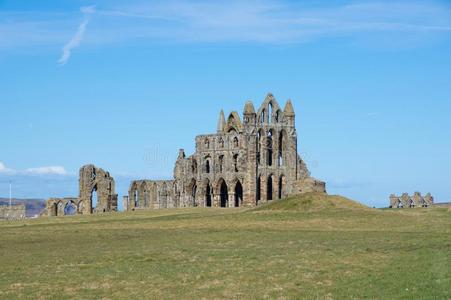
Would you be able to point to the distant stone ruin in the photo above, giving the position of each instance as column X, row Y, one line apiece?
column 13, row 212
column 406, row 201
column 247, row 162
column 97, row 195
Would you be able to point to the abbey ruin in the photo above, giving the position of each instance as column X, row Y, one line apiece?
column 247, row 162
column 97, row 195
column 415, row 201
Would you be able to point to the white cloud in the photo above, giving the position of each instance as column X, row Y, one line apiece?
column 78, row 37
column 52, row 170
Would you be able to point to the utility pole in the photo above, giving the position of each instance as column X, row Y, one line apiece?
column 10, row 194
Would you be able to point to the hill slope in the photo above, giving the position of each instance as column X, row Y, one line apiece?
column 313, row 202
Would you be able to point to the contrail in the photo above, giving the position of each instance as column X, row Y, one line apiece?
column 78, row 37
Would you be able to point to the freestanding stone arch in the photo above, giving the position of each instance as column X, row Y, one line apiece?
column 92, row 178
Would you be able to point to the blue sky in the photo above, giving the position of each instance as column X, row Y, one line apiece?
column 125, row 84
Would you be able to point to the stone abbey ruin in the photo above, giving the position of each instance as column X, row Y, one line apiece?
column 97, row 195
column 244, row 164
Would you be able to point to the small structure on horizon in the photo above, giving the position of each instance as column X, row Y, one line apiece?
column 13, row 212
column 406, row 201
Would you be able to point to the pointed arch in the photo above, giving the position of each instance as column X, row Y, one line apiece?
column 270, row 188
column 269, row 147
column 208, row 193
column 282, row 147
column 192, row 188
column 260, row 135
column 223, row 192
column 143, row 195
column 70, row 209
column 270, row 112
column 194, row 166
column 207, row 164
column 236, row 142
column 235, row 162
column 282, row 186
column 94, row 199
column 234, row 124
column 238, row 194
column 278, row 116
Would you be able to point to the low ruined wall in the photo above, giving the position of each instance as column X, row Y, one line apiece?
column 309, row 185
column 15, row 212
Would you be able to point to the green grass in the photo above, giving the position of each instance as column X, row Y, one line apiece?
column 310, row 247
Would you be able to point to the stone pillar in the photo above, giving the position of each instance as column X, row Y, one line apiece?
column 216, row 199
column 125, row 203
column 231, row 200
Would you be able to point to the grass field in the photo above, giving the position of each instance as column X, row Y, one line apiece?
column 312, row 247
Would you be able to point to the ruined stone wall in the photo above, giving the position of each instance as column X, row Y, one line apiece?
column 245, row 163
column 92, row 180
column 97, row 180
column 406, row 201
column 14, row 212
column 56, row 207
column 151, row 194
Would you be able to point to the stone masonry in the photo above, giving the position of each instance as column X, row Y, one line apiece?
column 95, row 185
column 14, row 212
column 247, row 162
column 406, row 201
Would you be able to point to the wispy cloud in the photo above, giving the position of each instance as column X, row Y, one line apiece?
column 267, row 21
column 78, row 37
column 55, row 170
column 50, row 170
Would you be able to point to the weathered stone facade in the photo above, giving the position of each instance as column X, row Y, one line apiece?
column 95, row 180
column 14, row 212
column 97, row 195
column 406, row 201
column 245, row 163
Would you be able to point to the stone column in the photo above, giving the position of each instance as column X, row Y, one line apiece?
column 216, row 200
column 125, row 203
column 231, row 200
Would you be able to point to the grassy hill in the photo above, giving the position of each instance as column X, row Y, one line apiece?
column 285, row 250
column 313, row 202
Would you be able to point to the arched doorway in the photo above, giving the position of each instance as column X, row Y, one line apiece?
column 224, row 194
column 55, row 209
column 269, row 188
column 70, row 209
column 94, row 199
column 136, row 198
column 193, row 192
column 281, row 193
column 208, row 195
column 238, row 194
